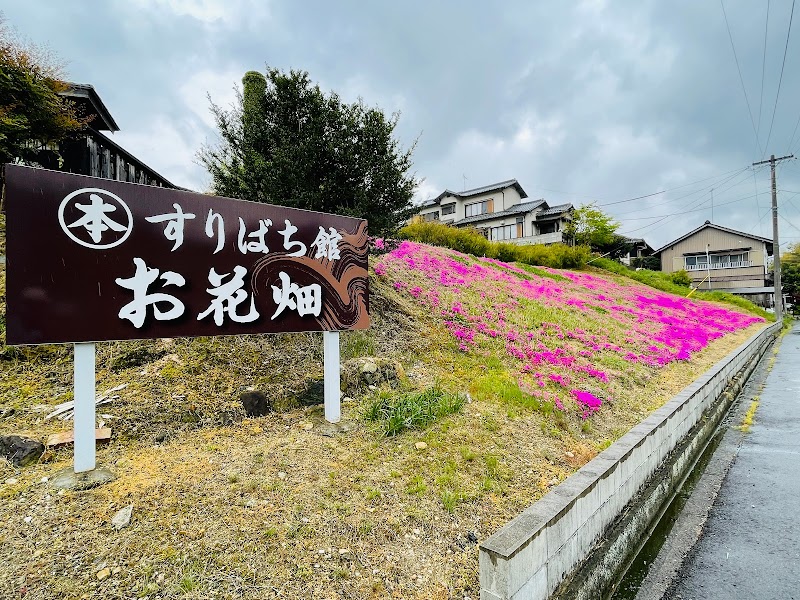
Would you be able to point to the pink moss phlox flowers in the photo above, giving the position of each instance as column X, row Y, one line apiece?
column 487, row 299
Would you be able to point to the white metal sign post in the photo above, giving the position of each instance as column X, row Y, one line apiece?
column 333, row 408
column 84, row 407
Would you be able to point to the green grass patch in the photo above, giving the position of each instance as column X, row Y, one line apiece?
column 395, row 412
column 498, row 386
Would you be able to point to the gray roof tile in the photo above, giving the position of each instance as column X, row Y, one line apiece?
column 514, row 210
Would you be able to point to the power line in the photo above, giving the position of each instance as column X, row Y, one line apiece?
column 763, row 70
column 718, row 185
column 741, row 80
column 791, row 139
column 780, row 80
column 789, row 222
column 683, row 212
column 735, row 173
column 687, row 206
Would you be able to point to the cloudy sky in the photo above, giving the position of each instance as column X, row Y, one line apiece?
column 581, row 102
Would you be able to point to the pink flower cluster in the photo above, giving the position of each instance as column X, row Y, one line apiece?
column 572, row 334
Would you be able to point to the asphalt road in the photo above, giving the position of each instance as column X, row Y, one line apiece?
column 750, row 545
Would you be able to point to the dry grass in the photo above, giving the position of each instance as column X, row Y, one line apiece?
column 227, row 507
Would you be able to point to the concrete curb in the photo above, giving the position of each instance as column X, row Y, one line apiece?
column 552, row 547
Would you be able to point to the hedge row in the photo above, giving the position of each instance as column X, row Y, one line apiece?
column 471, row 241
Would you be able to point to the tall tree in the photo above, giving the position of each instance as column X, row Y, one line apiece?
column 592, row 227
column 32, row 114
column 790, row 273
column 288, row 143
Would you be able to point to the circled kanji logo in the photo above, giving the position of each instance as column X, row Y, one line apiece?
column 95, row 218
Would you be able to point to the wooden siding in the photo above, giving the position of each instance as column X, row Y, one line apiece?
column 718, row 241
column 672, row 258
column 96, row 156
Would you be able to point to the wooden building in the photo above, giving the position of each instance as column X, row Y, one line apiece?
column 719, row 258
column 93, row 153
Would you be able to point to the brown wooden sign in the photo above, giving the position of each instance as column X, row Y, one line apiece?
column 95, row 259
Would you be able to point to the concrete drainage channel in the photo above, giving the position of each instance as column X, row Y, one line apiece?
column 630, row 581
column 576, row 540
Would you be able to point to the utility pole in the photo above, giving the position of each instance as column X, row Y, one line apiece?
column 776, row 247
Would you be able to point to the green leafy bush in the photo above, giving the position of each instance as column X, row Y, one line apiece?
column 681, row 278
column 411, row 410
column 471, row 241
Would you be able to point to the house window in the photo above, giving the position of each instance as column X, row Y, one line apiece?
column 431, row 216
column 448, row 209
column 548, row 228
column 702, row 262
column 480, row 208
column 506, row 232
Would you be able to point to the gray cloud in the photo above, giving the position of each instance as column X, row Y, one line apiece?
column 579, row 101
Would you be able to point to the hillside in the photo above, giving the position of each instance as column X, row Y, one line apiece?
column 514, row 375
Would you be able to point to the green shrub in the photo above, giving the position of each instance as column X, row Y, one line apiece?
column 472, row 241
column 681, row 278
column 411, row 410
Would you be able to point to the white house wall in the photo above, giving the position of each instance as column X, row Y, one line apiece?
column 503, row 200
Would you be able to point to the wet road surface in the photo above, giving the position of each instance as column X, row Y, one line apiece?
column 750, row 545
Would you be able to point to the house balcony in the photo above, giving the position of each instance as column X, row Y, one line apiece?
column 545, row 238
column 739, row 264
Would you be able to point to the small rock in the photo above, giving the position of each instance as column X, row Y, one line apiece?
column 28, row 519
column 472, row 538
column 281, row 475
column 122, row 518
column 308, row 426
column 420, row 445
column 68, row 479
column 20, row 451
column 343, row 551
column 162, row 436
column 12, row 481
column 103, row 574
column 369, row 367
column 554, row 481
column 255, row 403
column 569, row 455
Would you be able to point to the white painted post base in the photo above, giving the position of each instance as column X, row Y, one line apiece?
column 85, row 459
column 333, row 391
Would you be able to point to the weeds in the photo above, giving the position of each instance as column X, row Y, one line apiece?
column 747, row 421
column 411, row 410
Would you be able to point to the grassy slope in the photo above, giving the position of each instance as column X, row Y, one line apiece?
column 663, row 282
column 255, row 508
